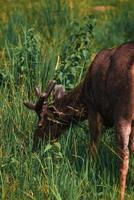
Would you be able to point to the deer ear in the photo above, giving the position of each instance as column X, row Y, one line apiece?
column 58, row 91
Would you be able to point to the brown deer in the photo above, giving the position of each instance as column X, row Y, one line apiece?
column 105, row 96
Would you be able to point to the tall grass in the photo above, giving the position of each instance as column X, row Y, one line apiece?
column 35, row 37
column 117, row 27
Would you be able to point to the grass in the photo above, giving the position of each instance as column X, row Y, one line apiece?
column 33, row 35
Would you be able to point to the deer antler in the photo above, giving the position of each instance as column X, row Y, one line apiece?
column 37, row 92
column 42, row 97
column 30, row 105
column 49, row 89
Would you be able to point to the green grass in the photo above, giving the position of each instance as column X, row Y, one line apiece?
column 32, row 37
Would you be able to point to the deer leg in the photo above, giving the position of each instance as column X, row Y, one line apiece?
column 131, row 142
column 95, row 126
column 123, row 129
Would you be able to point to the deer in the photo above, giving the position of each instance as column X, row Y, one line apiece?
column 105, row 97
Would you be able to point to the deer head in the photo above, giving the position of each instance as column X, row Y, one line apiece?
column 48, row 124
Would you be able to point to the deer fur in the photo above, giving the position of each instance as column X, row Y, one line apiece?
column 104, row 97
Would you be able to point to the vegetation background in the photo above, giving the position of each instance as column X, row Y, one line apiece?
column 42, row 40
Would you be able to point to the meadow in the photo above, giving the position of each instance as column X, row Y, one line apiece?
column 56, row 39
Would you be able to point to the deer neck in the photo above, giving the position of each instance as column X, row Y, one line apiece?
column 71, row 105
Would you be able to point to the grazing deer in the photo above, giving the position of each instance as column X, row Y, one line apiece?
column 105, row 96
